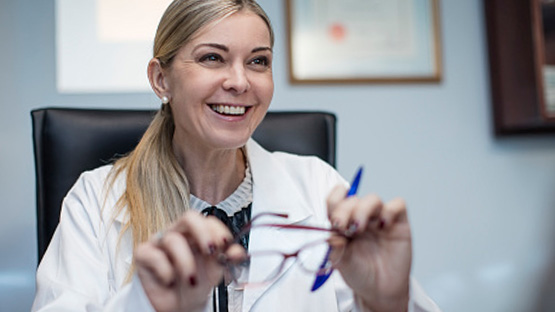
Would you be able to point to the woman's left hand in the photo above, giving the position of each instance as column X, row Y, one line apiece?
column 377, row 260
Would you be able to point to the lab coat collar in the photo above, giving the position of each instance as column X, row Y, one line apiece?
column 271, row 180
column 274, row 191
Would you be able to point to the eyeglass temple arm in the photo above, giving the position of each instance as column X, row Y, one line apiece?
column 249, row 225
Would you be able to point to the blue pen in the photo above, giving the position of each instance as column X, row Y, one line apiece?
column 323, row 276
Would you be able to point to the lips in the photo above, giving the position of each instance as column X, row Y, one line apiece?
column 229, row 110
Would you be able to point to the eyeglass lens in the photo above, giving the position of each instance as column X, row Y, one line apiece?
column 309, row 258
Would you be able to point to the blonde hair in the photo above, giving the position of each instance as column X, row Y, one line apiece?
column 184, row 18
column 157, row 190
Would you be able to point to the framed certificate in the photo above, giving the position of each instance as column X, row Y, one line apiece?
column 351, row 41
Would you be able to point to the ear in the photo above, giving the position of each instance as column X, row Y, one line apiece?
column 157, row 78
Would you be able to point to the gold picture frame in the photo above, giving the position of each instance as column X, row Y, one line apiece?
column 363, row 41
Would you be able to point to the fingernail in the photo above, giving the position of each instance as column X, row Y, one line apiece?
column 352, row 229
column 222, row 259
column 382, row 224
column 336, row 224
column 211, row 249
column 193, row 280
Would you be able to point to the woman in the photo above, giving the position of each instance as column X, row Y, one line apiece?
column 131, row 236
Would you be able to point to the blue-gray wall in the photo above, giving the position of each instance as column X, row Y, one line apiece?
column 481, row 207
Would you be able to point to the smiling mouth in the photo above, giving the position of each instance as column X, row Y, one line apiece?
column 229, row 110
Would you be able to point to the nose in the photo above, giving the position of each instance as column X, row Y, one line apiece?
column 237, row 79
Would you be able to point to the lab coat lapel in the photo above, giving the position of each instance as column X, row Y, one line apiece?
column 125, row 246
column 274, row 190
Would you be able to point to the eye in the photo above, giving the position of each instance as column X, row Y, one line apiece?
column 260, row 61
column 211, row 57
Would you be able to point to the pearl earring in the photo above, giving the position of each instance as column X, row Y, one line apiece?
column 165, row 100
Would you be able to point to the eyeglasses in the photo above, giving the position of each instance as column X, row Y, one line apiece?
column 317, row 256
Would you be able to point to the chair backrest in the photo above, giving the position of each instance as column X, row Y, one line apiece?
column 68, row 141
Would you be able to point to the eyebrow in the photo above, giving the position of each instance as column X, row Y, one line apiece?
column 261, row 49
column 226, row 49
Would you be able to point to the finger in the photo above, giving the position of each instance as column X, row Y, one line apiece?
column 205, row 233
column 235, row 253
column 341, row 214
column 367, row 212
column 181, row 256
column 220, row 233
column 336, row 195
column 154, row 261
column 394, row 211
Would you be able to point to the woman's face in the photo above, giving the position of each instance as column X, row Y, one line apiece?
column 220, row 83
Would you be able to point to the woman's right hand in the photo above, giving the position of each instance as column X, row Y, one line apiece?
column 179, row 269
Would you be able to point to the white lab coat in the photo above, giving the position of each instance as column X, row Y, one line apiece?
column 83, row 270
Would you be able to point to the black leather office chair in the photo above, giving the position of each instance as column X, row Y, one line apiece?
column 69, row 141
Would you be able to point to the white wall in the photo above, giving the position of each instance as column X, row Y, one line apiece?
column 481, row 207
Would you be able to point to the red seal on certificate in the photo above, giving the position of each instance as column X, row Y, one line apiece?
column 337, row 32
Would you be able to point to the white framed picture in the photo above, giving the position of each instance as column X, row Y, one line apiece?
column 104, row 46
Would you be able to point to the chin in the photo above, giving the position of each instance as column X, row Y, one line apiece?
column 230, row 143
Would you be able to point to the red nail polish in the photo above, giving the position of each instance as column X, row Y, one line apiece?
column 382, row 224
column 211, row 248
column 193, row 280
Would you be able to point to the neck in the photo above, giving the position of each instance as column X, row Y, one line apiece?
column 213, row 174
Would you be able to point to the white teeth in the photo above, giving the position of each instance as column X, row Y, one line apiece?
column 229, row 110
